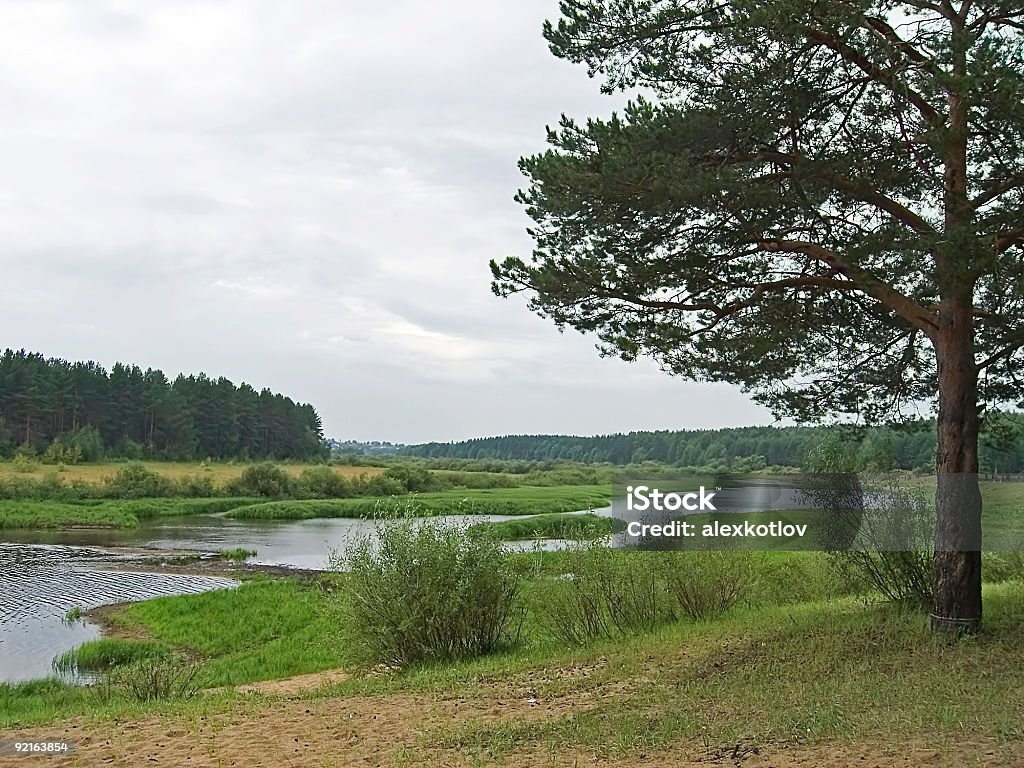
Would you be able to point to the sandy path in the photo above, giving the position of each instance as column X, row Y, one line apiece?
column 401, row 729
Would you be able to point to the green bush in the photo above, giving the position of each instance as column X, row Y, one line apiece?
column 324, row 483
column 1003, row 566
column 153, row 679
column 134, row 481
column 426, row 592
column 705, row 584
column 24, row 463
column 380, row 485
column 264, row 479
column 609, row 593
column 82, row 444
column 893, row 551
column 197, row 487
column 415, row 479
column 59, row 452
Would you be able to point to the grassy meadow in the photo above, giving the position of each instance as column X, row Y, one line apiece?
column 799, row 660
column 221, row 473
column 120, row 495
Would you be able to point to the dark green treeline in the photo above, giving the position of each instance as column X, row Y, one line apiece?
column 81, row 410
column 744, row 448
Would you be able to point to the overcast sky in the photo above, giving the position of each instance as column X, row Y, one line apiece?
column 304, row 195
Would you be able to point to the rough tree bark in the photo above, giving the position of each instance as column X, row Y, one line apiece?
column 957, row 572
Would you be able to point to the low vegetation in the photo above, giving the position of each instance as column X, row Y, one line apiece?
column 500, row 501
column 107, row 653
column 97, row 513
column 238, row 554
column 427, row 592
column 720, row 648
column 550, row 526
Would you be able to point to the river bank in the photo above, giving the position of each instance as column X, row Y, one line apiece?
column 827, row 682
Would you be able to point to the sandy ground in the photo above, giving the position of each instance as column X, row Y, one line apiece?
column 271, row 725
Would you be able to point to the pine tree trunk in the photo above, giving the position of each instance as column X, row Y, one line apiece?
column 956, row 575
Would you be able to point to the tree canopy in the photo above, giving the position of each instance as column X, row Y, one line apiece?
column 136, row 413
column 821, row 202
column 781, row 216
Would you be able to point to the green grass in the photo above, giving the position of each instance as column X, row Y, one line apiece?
column 238, row 554
column 108, row 652
column 55, row 514
column 262, row 630
column 553, row 526
column 793, row 674
column 96, row 513
column 798, row 661
column 524, row 500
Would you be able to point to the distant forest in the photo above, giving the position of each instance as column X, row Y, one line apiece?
column 744, row 448
column 79, row 411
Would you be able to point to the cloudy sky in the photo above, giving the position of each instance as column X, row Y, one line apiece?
column 304, row 195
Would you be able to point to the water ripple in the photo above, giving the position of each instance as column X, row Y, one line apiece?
column 40, row 584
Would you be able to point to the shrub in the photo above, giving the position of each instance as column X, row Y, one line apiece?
column 24, row 463
column 154, row 678
column 893, row 554
column 1003, row 566
column 131, row 450
column 427, row 591
column 84, row 443
column 608, row 593
column 197, row 486
column 380, row 485
column 415, row 479
column 705, row 584
column 59, row 452
column 264, row 479
column 324, row 483
column 135, row 481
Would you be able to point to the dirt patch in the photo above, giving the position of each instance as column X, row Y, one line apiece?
column 353, row 731
column 878, row 754
column 404, row 730
column 109, row 619
column 293, row 686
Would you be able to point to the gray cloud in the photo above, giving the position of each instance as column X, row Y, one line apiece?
column 304, row 196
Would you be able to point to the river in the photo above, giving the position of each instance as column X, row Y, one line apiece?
column 46, row 574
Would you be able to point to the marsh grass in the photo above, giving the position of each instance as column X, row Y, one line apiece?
column 523, row 500
column 105, row 513
column 551, row 526
column 237, row 554
column 106, row 653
